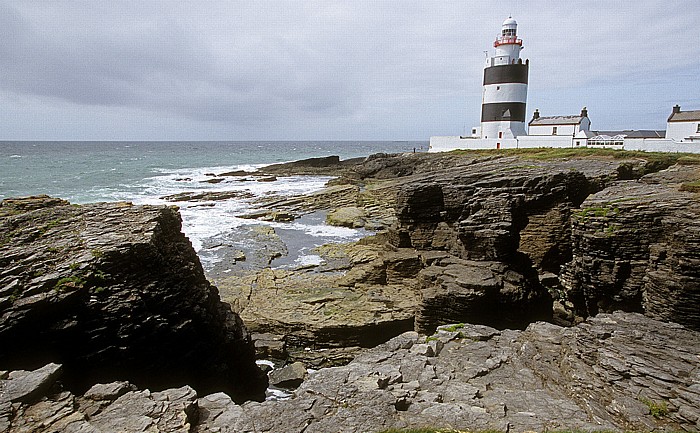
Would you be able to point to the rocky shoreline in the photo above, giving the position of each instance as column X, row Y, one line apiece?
column 502, row 245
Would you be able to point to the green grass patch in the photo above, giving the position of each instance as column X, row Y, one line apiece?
column 657, row 410
column 74, row 281
column 544, row 154
column 691, row 186
column 453, row 328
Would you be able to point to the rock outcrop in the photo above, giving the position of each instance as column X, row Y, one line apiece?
column 635, row 248
column 486, row 235
column 484, row 215
column 360, row 296
column 619, row 372
column 114, row 291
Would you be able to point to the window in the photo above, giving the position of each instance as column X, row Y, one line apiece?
column 554, row 130
column 698, row 130
column 500, row 134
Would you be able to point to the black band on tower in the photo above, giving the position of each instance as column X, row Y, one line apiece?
column 515, row 73
column 503, row 111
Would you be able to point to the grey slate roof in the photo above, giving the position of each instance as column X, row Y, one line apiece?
column 557, row 120
column 685, row 116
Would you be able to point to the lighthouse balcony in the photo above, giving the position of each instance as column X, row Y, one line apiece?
column 507, row 41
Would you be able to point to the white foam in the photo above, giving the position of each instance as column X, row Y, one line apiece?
column 308, row 260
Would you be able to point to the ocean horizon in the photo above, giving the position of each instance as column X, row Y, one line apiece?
column 146, row 172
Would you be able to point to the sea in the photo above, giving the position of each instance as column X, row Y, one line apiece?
column 145, row 172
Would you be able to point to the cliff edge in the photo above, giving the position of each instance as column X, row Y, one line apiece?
column 114, row 291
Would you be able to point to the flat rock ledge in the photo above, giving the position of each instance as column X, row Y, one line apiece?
column 614, row 372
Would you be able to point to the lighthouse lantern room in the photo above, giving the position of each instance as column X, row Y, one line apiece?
column 505, row 87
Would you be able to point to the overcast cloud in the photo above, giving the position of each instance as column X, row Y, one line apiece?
column 241, row 70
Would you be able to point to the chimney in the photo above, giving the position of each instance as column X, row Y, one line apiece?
column 536, row 114
column 584, row 112
column 676, row 109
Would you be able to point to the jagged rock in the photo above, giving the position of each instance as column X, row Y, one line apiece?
column 635, row 248
column 215, row 180
column 270, row 346
column 208, row 196
column 108, row 391
column 605, row 374
column 236, row 173
column 217, row 413
column 289, row 376
column 27, row 386
column 352, row 217
column 113, row 292
column 364, row 306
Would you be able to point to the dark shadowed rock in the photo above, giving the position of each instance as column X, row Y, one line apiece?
column 635, row 248
column 115, row 292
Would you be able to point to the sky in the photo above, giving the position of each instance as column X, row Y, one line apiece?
column 330, row 69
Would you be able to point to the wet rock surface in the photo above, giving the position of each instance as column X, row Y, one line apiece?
column 115, row 292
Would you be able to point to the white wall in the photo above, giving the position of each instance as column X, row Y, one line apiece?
column 540, row 130
column 679, row 131
column 661, row 145
column 530, row 141
column 448, row 143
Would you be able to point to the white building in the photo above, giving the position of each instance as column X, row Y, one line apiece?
column 559, row 125
column 503, row 115
column 683, row 126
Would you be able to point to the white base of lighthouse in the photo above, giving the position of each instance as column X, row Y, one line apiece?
column 502, row 130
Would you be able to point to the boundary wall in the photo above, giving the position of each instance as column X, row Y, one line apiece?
column 448, row 143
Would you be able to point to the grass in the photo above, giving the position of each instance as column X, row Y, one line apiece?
column 691, row 186
column 657, row 410
column 453, row 328
column 544, row 154
column 74, row 281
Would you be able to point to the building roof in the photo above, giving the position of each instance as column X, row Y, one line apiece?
column 685, row 116
column 557, row 120
column 628, row 133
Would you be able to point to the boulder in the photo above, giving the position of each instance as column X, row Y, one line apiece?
column 289, row 376
column 27, row 386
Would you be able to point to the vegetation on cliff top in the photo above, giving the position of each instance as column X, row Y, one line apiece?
column 587, row 152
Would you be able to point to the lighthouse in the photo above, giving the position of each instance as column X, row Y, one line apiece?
column 505, row 87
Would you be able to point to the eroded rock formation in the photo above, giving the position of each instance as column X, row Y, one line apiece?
column 635, row 248
column 114, row 291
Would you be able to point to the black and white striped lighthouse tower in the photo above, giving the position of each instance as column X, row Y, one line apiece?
column 505, row 87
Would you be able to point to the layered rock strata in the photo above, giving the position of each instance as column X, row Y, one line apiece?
column 115, row 291
column 485, row 217
column 635, row 248
column 618, row 372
